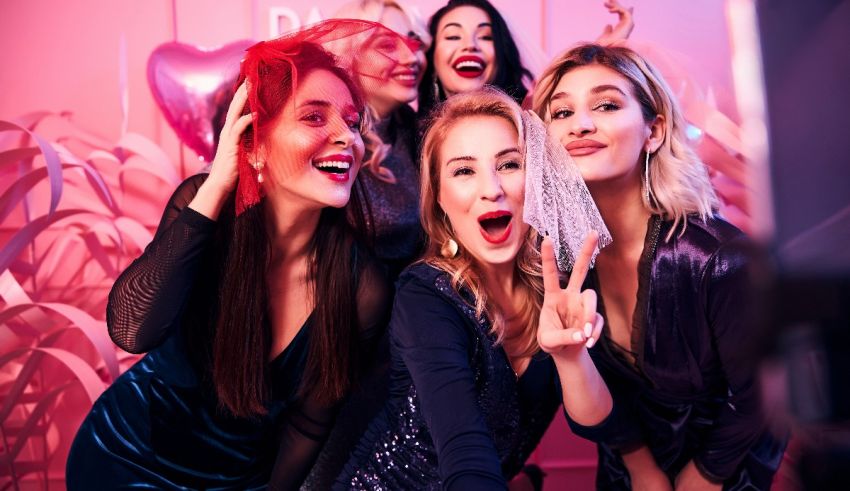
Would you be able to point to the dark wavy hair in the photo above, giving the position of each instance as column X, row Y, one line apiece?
column 509, row 69
column 237, row 351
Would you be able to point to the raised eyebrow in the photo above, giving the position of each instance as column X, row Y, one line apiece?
column 348, row 108
column 596, row 90
column 604, row 88
column 462, row 158
column 507, row 151
column 315, row 102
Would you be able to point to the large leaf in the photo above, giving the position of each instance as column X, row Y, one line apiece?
column 27, row 234
column 51, row 161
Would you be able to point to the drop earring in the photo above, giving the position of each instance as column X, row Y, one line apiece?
column 646, row 191
column 436, row 84
column 258, row 166
column 449, row 249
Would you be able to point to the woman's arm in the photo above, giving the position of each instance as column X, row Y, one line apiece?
column 569, row 324
column 434, row 342
column 623, row 28
column 740, row 423
column 148, row 297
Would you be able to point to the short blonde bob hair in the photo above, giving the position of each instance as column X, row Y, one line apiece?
column 678, row 182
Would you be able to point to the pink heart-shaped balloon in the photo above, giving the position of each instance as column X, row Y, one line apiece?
column 192, row 86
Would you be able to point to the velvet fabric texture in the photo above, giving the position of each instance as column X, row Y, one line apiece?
column 686, row 387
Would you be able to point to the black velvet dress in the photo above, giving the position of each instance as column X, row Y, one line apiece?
column 457, row 417
column 691, row 392
column 159, row 425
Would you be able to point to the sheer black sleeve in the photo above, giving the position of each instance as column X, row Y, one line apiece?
column 147, row 299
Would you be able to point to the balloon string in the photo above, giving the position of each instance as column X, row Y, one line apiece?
column 255, row 12
column 174, row 20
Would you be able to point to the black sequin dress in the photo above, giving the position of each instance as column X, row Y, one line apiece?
column 457, row 417
column 391, row 210
column 691, row 392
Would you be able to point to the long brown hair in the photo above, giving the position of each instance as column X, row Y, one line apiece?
column 241, row 342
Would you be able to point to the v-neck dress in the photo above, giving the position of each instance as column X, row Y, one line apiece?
column 686, row 389
column 160, row 424
column 457, row 417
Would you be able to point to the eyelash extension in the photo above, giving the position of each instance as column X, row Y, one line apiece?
column 510, row 162
column 613, row 105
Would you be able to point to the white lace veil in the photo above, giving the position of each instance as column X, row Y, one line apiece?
column 557, row 202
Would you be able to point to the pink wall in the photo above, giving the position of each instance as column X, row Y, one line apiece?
column 65, row 55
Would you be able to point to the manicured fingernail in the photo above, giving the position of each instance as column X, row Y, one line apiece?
column 590, row 342
column 576, row 336
column 588, row 329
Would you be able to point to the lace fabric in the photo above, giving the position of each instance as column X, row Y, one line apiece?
column 557, row 201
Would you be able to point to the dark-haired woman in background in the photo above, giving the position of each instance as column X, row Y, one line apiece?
column 254, row 301
column 472, row 46
column 673, row 286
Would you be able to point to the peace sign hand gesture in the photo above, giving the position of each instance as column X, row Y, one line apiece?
column 568, row 319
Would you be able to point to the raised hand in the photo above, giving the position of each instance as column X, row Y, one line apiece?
column 623, row 28
column 568, row 319
column 225, row 170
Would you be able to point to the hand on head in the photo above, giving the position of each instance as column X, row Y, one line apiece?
column 225, row 171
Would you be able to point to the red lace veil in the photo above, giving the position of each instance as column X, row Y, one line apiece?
column 360, row 48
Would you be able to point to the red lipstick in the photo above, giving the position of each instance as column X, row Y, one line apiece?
column 469, row 66
column 335, row 167
column 496, row 226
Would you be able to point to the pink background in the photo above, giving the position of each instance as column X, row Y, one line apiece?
column 64, row 56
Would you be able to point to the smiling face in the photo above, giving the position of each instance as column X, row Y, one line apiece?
column 482, row 187
column 314, row 149
column 596, row 116
column 464, row 54
column 395, row 64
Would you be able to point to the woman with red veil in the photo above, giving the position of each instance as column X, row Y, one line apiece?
column 255, row 302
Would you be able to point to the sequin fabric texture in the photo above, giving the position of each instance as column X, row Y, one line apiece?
column 397, row 451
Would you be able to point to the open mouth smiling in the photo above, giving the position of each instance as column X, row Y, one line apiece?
column 469, row 66
column 496, row 226
column 335, row 167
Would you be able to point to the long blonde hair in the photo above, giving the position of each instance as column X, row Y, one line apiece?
column 462, row 267
column 373, row 10
column 678, row 181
